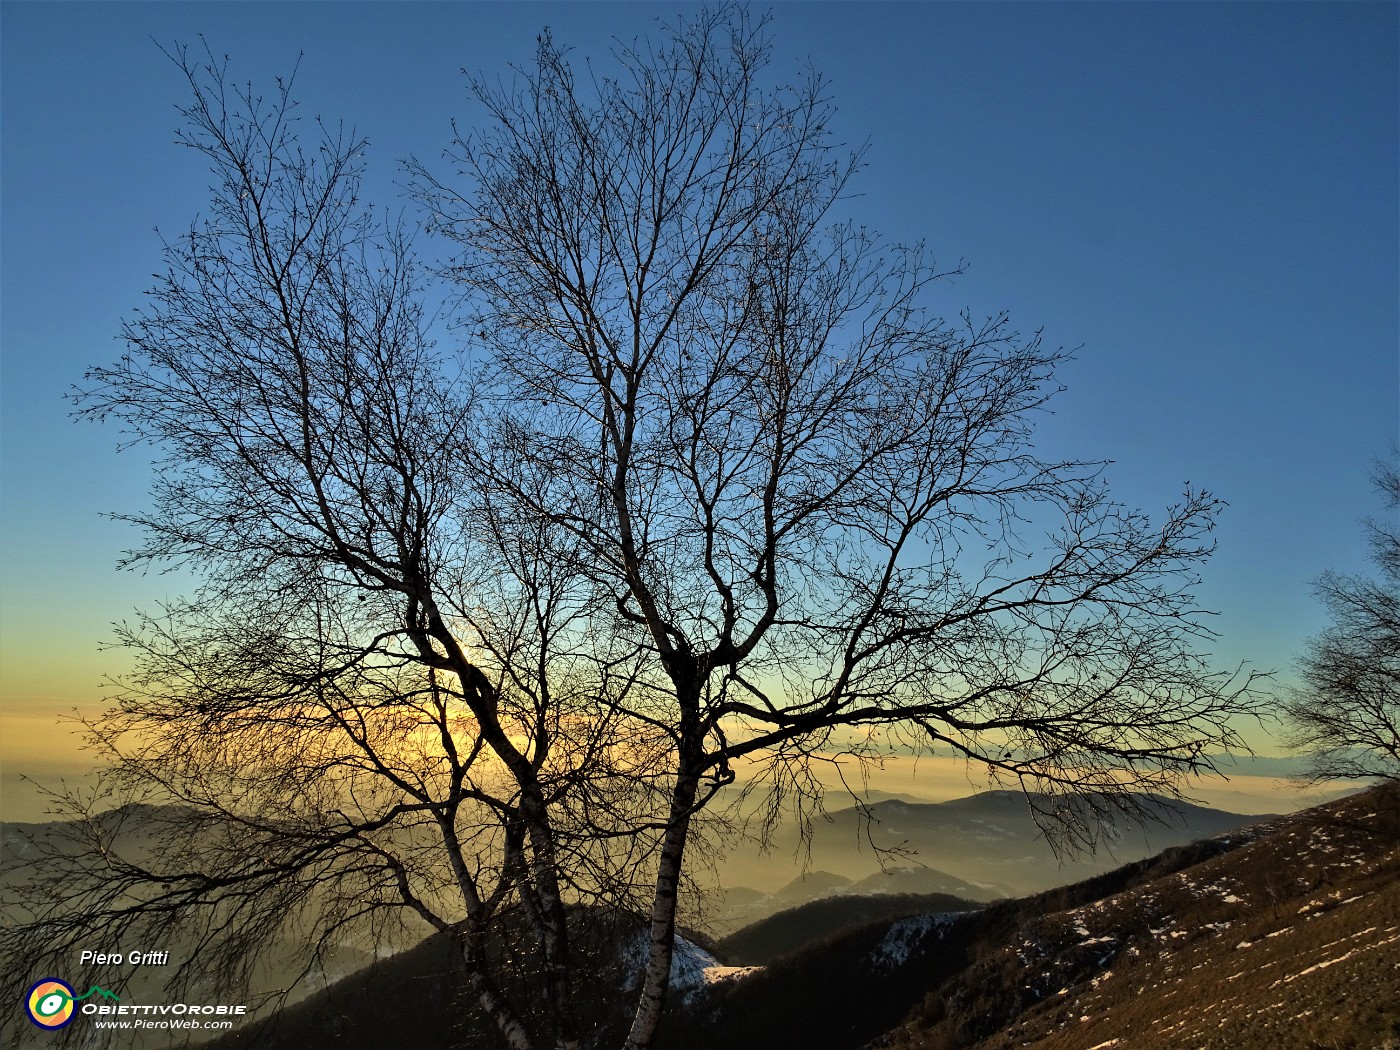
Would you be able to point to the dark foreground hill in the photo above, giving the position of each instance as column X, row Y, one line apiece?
column 759, row 943
column 419, row 998
column 1285, row 935
column 1290, row 939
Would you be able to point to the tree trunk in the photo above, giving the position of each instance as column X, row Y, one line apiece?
column 552, row 920
column 500, row 1011
column 656, row 979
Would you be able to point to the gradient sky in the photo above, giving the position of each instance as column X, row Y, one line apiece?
column 1201, row 197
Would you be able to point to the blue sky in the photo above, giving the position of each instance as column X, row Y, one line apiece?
column 1201, row 197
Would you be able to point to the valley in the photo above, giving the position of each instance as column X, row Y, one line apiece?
column 1235, row 933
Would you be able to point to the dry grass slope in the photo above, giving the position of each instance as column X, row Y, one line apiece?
column 1289, row 940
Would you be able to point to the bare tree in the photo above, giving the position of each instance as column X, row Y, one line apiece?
column 379, row 702
column 1346, row 714
column 718, row 494
column 810, row 501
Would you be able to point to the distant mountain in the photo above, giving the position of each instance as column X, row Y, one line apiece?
column 1286, row 934
column 133, row 831
column 1284, row 766
column 993, row 840
column 901, row 879
column 812, row 886
column 740, row 906
column 129, row 828
column 1283, row 934
column 904, row 879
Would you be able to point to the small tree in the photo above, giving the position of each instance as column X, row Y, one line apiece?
column 484, row 635
column 1346, row 715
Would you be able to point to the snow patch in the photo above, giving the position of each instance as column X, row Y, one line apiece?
column 689, row 964
column 905, row 935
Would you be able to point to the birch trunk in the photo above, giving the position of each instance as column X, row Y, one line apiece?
column 656, row 979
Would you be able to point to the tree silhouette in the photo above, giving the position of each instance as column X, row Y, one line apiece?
column 1346, row 714
column 483, row 633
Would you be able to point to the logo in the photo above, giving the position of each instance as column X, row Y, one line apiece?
column 50, row 1002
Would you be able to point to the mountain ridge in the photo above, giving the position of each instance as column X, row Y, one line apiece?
column 1027, row 970
column 1188, row 948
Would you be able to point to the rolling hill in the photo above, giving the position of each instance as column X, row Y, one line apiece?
column 1283, row 935
column 1279, row 935
column 1288, row 938
column 980, row 848
column 759, row 943
column 993, row 839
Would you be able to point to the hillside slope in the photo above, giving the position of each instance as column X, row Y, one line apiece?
column 1282, row 935
column 788, row 931
column 1292, row 939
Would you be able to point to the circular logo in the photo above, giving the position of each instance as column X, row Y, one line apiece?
column 50, row 1003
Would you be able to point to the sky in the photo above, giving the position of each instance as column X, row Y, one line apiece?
column 1200, row 198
